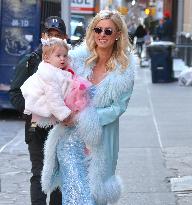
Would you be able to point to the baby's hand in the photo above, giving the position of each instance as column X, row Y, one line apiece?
column 70, row 120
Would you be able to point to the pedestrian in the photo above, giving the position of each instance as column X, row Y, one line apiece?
column 160, row 31
column 54, row 92
column 148, row 39
column 168, row 27
column 105, row 58
column 35, row 136
column 131, row 32
column 139, row 34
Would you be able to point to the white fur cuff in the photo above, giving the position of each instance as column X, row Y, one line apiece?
column 110, row 191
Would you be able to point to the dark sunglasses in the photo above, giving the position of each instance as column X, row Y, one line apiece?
column 107, row 31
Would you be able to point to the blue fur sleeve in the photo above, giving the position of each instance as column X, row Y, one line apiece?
column 110, row 114
column 121, row 94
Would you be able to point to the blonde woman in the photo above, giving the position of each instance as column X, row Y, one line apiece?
column 105, row 59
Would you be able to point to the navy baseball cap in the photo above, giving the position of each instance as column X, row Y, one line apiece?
column 55, row 22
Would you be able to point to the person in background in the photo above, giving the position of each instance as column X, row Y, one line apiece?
column 139, row 35
column 148, row 39
column 159, row 31
column 131, row 32
column 168, row 27
column 104, row 58
column 35, row 136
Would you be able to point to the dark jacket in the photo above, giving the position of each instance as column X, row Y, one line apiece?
column 24, row 69
column 140, row 32
column 168, row 30
column 159, row 32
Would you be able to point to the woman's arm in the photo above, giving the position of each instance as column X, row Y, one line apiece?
column 91, row 120
column 109, row 114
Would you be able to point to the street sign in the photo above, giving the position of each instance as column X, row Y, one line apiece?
column 83, row 6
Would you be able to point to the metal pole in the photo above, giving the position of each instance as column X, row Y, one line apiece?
column 179, row 19
column 66, row 14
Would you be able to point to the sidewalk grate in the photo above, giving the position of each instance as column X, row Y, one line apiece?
column 181, row 184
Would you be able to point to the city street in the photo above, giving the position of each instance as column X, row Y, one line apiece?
column 155, row 146
column 14, row 159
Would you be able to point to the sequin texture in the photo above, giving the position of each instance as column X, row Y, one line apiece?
column 91, row 91
column 73, row 171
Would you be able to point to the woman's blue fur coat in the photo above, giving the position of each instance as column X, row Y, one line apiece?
column 98, row 126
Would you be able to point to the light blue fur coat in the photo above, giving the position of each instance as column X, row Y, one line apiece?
column 98, row 126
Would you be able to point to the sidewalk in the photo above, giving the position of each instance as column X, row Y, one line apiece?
column 157, row 142
column 155, row 146
column 15, row 172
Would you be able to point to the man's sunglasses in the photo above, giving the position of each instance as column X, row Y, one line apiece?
column 107, row 31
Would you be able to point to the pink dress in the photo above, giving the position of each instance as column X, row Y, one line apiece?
column 78, row 98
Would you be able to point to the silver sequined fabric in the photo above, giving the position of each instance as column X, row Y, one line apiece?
column 73, row 170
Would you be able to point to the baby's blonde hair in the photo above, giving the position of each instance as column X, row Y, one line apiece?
column 50, row 44
column 121, row 46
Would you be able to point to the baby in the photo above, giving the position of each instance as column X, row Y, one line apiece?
column 54, row 92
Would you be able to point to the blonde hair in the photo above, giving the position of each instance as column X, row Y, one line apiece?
column 121, row 46
column 50, row 44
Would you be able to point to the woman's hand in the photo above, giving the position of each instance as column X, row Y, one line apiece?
column 70, row 120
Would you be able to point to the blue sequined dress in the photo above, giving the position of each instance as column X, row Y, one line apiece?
column 73, row 168
column 73, row 171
